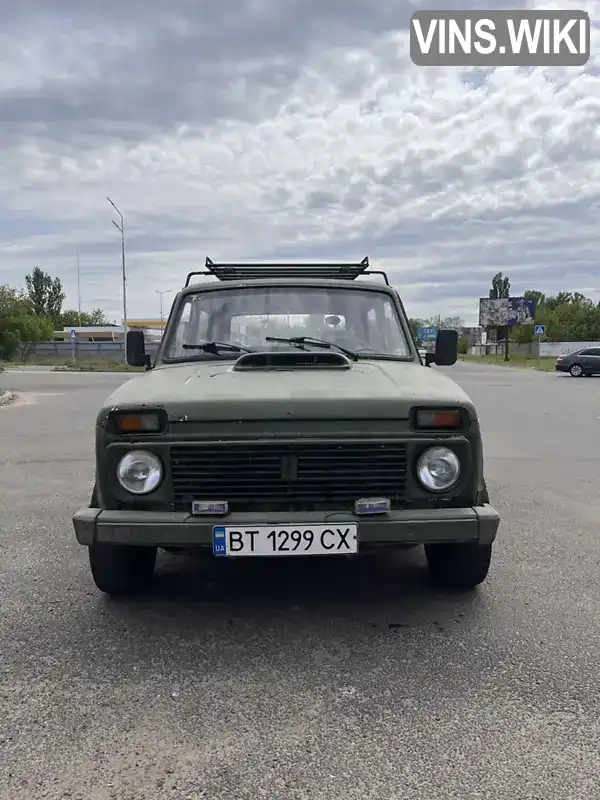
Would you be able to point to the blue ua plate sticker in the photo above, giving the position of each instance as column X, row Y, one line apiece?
column 219, row 546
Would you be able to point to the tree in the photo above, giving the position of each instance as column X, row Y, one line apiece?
column 19, row 323
column 45, row 294
column 500, row 286
column 455, row 323
column 569, row 298
column 567, row 316
column 415, row 324
column 72, row 318
column 97, row 317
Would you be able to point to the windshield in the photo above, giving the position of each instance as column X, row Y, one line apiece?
column 361, row 320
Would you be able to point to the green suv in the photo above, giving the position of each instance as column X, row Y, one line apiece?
column 287, row 413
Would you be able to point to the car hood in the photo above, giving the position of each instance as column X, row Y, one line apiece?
column 212, row 390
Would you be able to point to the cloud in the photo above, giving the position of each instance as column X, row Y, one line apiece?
column 290, row 130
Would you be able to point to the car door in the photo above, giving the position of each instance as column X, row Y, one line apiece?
column 590, row 360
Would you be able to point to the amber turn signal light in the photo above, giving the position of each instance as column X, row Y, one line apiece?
column 138, row 423
column 439, row 419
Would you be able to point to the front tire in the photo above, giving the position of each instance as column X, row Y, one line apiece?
column 121, row 570
column 457, row 565
column 576, row 371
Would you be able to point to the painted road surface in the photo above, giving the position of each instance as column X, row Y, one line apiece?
column 285, row 680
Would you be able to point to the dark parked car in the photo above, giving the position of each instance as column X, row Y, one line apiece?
column 580, row 364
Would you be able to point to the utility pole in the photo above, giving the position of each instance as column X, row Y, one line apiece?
column 160, row 294
column 78, row 287
column 121, row 228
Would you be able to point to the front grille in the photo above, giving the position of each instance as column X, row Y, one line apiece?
column 288, row 477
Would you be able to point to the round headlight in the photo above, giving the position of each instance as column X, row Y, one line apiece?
column 438, row 469
column 139, row 472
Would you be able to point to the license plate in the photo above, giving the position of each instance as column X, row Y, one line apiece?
column 285, row 540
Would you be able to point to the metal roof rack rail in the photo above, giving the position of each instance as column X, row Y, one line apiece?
column 242, row 272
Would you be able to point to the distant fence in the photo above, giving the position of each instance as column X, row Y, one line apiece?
column 64, row 350
column 562, row 348
column 114, row 350
column 530, row 349
column 543, row 350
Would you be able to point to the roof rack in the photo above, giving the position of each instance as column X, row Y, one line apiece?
column 241, row 272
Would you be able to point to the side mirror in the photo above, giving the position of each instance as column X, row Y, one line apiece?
column 446, row 348
column 136, row 349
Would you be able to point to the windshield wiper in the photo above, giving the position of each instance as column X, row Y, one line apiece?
column 214, row 348
column 301, row 340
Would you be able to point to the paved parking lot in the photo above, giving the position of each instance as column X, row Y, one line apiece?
column 282, row 681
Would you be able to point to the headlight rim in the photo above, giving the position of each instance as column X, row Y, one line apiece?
column 153, row 457
column 447, row 450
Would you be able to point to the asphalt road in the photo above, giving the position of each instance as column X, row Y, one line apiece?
column 280, row 681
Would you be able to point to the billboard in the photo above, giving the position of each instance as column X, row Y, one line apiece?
column 498, row 312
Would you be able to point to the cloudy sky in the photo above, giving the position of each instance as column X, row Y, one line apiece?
column 287, row 129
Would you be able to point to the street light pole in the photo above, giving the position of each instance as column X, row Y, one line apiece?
column 121, row 229
column 78, row 286
column 160, row 294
